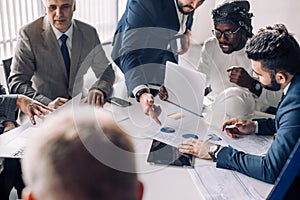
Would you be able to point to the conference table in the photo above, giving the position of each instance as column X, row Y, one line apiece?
column 161, row 182
column 177, row 183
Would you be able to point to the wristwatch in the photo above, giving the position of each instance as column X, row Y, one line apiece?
column 140, row 92
column 213, row 150
column 256, row 88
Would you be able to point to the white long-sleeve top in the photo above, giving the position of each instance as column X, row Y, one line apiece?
column 214, row 63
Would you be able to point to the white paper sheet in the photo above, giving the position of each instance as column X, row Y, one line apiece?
column 221, row 184
column 253, row 144
column 14, row 142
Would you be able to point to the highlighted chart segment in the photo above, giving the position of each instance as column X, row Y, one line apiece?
column 190, row 135
column 167, row 129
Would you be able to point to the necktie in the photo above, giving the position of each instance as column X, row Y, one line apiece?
column 65, row 52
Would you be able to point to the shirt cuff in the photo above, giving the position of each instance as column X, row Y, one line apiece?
column 216, row 154
column 256, row 124
column 138, row 88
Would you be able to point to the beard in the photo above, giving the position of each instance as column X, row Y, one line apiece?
column 226, row 48
column 181, row 8
column 273, row 86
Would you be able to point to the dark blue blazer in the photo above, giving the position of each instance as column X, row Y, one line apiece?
column 140, row 46
column 286, row 125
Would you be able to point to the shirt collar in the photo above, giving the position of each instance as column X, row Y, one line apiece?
column 286, row 88
column 178, row 11
column 182, row 19
column 58, row 34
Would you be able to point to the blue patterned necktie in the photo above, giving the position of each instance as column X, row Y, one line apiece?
column 65, row 52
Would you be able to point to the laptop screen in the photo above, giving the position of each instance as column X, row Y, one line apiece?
column 185, row 87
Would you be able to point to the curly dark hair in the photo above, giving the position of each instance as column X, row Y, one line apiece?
column 236, row 13
column 275, row 48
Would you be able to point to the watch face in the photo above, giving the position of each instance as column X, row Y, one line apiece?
column 257, row 86
column 213, row 148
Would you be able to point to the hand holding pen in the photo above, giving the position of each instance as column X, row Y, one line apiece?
column 236, row 127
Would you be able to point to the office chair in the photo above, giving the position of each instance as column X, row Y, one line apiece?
column 6, row 68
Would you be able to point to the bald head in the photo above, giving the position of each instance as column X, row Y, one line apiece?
column 81, row 155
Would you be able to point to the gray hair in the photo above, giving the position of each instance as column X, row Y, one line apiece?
column 45, row 2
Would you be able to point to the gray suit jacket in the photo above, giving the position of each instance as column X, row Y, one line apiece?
column 7, row 109
column 38, row 68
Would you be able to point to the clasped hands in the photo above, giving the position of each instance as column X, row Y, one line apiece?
column 233, row 128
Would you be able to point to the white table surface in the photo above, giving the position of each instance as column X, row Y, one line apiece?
column 165, row 182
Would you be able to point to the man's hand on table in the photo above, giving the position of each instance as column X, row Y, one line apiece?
column 236, row 127
column 8, row 125
column 96, row 98
column 198, row 148
column 59, row 101
column 32, row 108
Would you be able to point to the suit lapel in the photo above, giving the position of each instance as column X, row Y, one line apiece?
column 169, row 11
column 75, row 53
column 50, row 42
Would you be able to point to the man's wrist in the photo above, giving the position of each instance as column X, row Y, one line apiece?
column 256, row 88
column 140, row 93
column 213, row 151
column 256, row 126
column 188, row 32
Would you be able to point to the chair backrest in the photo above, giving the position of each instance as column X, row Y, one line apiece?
column 6, row 68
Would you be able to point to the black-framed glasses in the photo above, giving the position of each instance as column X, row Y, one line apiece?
column 227, row 34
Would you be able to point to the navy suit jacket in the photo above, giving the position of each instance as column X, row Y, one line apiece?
column 141, row 40
column 287, row 126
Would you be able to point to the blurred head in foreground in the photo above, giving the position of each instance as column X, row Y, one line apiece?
column 80, row 155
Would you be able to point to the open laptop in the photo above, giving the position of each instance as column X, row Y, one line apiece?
column 285, row 185
column 185, row 87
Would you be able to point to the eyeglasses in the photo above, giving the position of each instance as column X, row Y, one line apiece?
column 227, row 34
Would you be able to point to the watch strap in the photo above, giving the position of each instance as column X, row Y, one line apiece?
column 140, row 93
column 256, row 88
column 213, row 153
